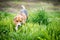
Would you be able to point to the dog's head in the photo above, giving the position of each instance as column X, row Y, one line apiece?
column 18, row 20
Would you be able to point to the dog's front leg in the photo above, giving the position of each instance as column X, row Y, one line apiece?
column 16, row 28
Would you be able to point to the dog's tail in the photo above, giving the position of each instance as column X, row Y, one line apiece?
column 23, row 7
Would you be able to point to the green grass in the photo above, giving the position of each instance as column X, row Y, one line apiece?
column 31, row 30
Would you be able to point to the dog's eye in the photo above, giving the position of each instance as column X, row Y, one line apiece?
column 16, row 21
column 20, row 21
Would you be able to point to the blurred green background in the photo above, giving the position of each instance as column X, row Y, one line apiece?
column 43, row 20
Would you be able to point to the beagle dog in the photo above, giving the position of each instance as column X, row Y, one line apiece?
column 20, row 18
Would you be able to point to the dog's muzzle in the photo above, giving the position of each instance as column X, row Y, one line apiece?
column 18, row 25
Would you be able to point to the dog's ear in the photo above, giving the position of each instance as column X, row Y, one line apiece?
column 15, row 18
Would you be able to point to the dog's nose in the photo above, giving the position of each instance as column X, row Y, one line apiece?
column 18, row 25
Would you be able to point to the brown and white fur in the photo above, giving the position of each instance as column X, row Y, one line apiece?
column 20, row 19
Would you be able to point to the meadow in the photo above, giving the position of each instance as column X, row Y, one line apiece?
column 41, row 25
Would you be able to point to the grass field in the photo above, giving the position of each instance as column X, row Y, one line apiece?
column 41, row 25
column 43, row 22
